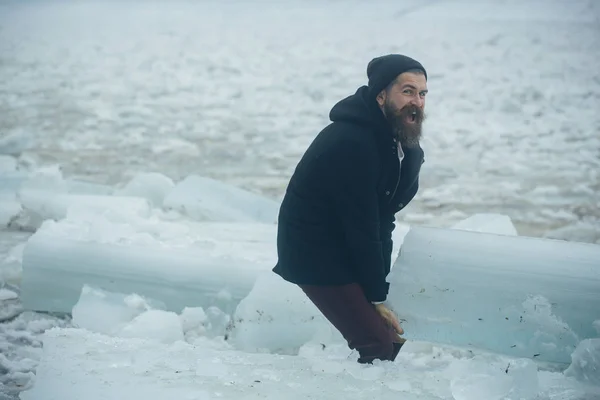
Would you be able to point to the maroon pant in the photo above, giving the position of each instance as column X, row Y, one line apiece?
column 347, row 308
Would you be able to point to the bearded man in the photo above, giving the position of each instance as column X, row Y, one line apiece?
column 334, row 237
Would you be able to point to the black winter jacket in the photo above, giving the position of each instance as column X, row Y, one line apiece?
column 337, row 216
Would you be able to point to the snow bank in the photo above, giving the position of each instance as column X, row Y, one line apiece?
column 103, row 367
column 527, row 297
column 206, row 199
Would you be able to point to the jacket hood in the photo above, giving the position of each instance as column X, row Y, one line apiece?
column 359, row 109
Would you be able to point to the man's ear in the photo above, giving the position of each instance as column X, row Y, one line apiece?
column 381, row 98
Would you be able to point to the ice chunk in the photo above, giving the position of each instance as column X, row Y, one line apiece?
column 26, row 200
column 123, row 315
column 11, row 265
column 10, row 183
column 105, row 312
column 489, row 223
column 277, row 316
column 217, row 323
column 585, row 365
column 10, row 306
column 45, row 205
column 48, row 177
column 476, row 379
column 191, row 267
column 193, row 322
column 526, row 297
column 16, row 143
column 163, row 326
column 206, row 199
column 6, row 294
column 197, row 323
column 7, row 164
column 152, row 186
column 579, row 231
column 10, row 208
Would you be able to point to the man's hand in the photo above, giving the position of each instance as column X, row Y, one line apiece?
column 389, row 317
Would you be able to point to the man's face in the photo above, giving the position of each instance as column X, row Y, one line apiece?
column 403, row 105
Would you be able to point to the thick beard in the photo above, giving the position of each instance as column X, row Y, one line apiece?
column 409, row 135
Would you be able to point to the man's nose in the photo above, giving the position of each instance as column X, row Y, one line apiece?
column 418, row 101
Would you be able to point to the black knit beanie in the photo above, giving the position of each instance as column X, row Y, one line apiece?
column 381, row 71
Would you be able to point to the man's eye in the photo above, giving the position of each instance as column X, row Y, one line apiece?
column 407, row 91
column 423, row 94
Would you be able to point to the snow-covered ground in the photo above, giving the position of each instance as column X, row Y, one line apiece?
column 235, row 91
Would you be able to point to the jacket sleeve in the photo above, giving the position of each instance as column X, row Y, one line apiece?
column 352, row 181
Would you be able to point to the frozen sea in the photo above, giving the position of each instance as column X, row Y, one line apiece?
column 237, row 90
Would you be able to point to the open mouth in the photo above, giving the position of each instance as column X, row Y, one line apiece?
column 412, row 117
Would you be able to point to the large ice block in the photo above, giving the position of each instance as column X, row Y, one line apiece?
column 206, row 199
column 200, row 264
column 520, row 296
